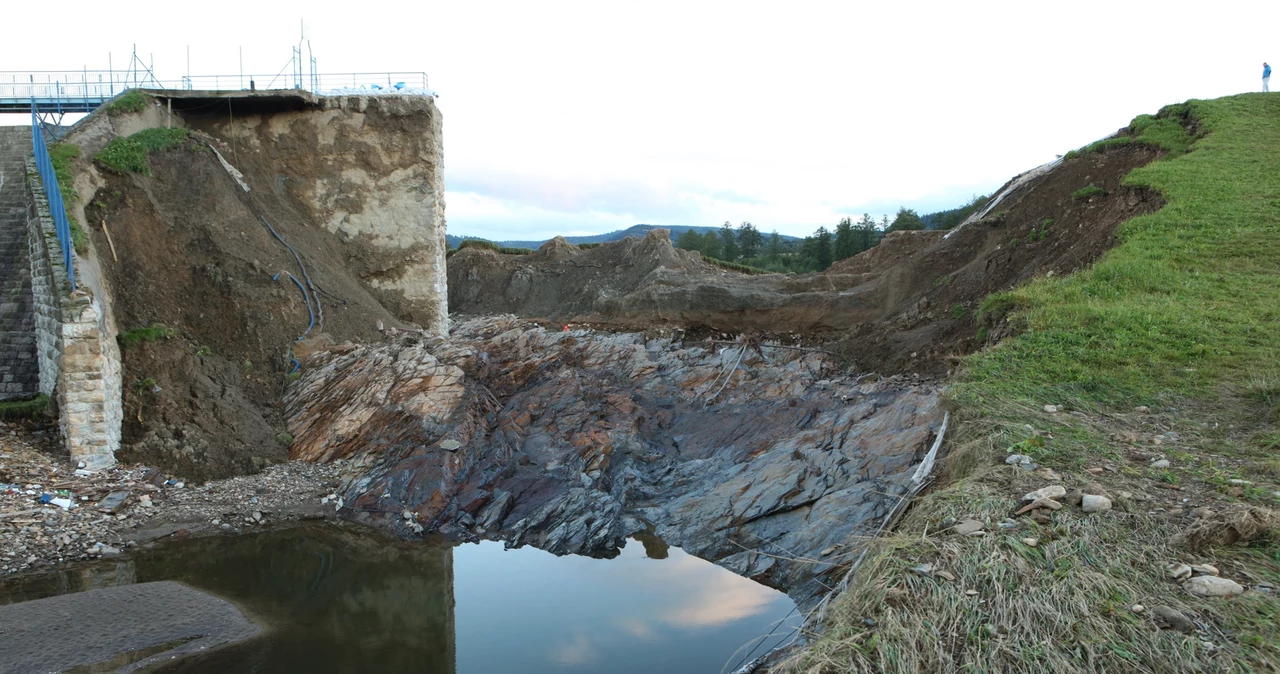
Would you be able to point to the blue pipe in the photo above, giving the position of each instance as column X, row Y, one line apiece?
column 305, row 296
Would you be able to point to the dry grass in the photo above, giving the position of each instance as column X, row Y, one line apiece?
column 1061, row 606
column 1179, row 317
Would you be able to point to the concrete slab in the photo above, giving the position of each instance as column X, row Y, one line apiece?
column 108, row 625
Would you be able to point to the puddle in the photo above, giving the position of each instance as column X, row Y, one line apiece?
column 335, row 599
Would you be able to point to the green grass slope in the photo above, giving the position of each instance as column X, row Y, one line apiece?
column 1166, row 348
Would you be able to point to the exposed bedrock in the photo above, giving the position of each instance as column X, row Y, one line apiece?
column 749, row 455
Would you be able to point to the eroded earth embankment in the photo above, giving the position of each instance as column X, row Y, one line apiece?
column 761, row 458
column 205, row 255
column 906, row 305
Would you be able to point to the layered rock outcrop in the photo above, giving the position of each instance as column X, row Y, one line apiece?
column 755, row 456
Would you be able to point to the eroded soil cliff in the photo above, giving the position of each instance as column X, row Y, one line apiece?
column 203, row 291
column 907, row 305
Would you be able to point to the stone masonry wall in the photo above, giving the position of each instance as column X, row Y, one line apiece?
column 19, row 372
column 76, row 362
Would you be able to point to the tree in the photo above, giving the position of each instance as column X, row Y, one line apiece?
column 774, row 247
column 749, row 239
column 866, row 233
column 728, row 243
column 710, row 244
column 823, row 239
column 846, row 247
column 689, row 240
column 906, row 220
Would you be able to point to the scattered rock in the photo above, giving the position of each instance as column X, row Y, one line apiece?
column 1048, row 473
column 1178, row 571
column 1051, row 409
column 1050, row 492
column 1039, row 503
column 1238, row 481
column 1204, row 570
column 1030, row 542
column 1017, row 458
column 450, row 445
column 1173, row 618
column 925, row 569
column 971, row 593
column 1095, row 504
column 1162, row 463
column 1095, row 470
column 1142, row 409
column 1137, row 608
column 1212, row 586
column 967, row 527
column 827, row 551
column 948, row 522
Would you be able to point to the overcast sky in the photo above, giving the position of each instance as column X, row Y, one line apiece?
column 583, row 117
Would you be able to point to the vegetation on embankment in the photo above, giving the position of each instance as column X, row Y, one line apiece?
column 128, row 154
column 1166, row 349
column 62, row 156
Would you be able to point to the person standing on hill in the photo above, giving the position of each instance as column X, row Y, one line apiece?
column 1266, row 76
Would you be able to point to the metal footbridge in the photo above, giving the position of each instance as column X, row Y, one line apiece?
column 65, row 92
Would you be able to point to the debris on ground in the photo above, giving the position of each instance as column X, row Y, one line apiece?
column 51, row 512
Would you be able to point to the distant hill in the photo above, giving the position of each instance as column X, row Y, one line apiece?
column 637, row 231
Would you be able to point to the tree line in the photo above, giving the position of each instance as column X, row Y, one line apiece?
column 745, row 244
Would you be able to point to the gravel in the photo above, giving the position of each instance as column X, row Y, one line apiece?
column 34, row 533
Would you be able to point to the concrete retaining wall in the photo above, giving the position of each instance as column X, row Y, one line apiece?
column 79, row 369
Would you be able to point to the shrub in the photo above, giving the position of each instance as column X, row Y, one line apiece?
column 132, row 100
column 24, row 409
column 150, row 333
column 515, row 251
column 129, row 154
column 479, row 243
column 1088, row 191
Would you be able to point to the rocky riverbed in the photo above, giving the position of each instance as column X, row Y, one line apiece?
column 763, row 458
column 51, row 512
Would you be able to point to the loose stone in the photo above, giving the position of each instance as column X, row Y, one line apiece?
column 1095, row 504
column 1212, row 586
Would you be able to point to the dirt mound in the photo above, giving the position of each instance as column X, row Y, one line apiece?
column 905, row 305
column 188, row 252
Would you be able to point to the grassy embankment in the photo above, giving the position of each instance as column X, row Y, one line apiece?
column 1183, row 317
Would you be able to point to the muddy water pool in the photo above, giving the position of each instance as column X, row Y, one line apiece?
column 340, row 599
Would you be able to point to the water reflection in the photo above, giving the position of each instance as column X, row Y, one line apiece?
column 347, row 600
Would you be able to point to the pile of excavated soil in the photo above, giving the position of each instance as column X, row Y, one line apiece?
column 188, row 251
column 907, row 305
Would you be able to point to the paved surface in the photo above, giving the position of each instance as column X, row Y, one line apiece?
column 85, row 628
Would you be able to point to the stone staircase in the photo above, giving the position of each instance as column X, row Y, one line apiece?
column 19, row 369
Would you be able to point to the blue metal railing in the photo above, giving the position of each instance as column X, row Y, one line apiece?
column 56, row 208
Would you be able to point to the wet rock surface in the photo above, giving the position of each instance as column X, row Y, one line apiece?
column 754, row 456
